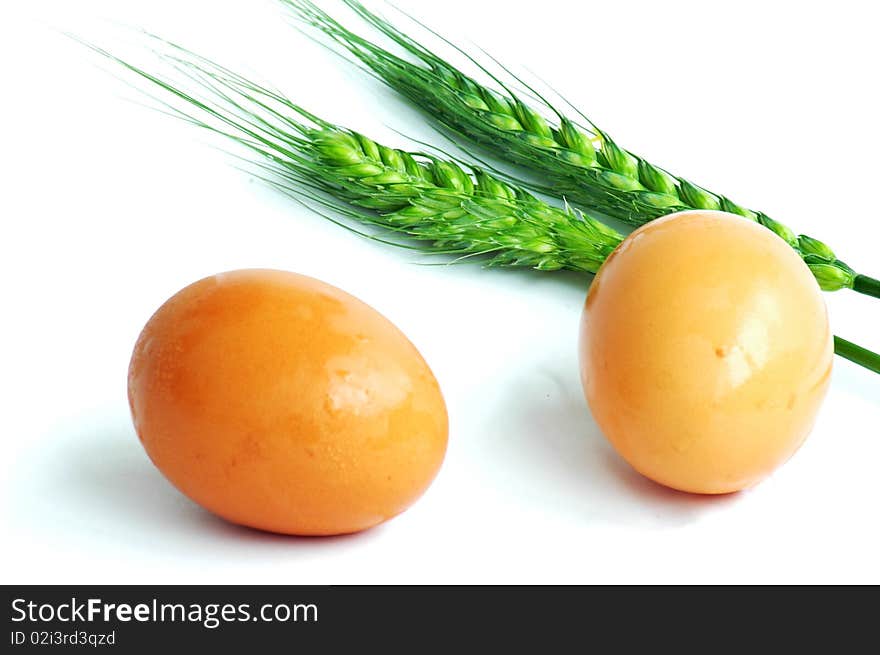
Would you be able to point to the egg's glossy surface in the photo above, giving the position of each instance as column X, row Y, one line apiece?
column 705, row 351
column 282, row 403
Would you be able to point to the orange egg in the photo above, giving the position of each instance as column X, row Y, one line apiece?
column 705, row 351
column 281, row 403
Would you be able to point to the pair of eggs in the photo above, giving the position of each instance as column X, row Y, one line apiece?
column 282, row 403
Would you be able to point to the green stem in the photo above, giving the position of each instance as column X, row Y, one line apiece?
column 867, row 285
column 861, row 356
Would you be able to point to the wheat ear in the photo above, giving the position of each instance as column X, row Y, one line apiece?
column 448, row 206
column 582, row 163
column 443, row 205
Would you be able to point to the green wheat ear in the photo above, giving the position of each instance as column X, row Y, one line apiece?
column 445, row 206
column 442, row 206
column 582, row 163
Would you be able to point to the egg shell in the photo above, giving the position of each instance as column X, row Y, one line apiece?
column 705, row 351
column 282, row 403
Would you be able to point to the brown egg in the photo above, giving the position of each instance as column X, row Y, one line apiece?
column 705, row 351
column 279, row 402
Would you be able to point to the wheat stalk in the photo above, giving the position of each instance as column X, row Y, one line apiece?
column 455, row 208
column 582, row 163
column 446, row 206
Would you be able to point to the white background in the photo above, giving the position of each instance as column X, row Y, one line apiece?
column 108, row 208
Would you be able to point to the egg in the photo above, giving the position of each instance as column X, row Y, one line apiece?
column 705, row 351
column 279, row 402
